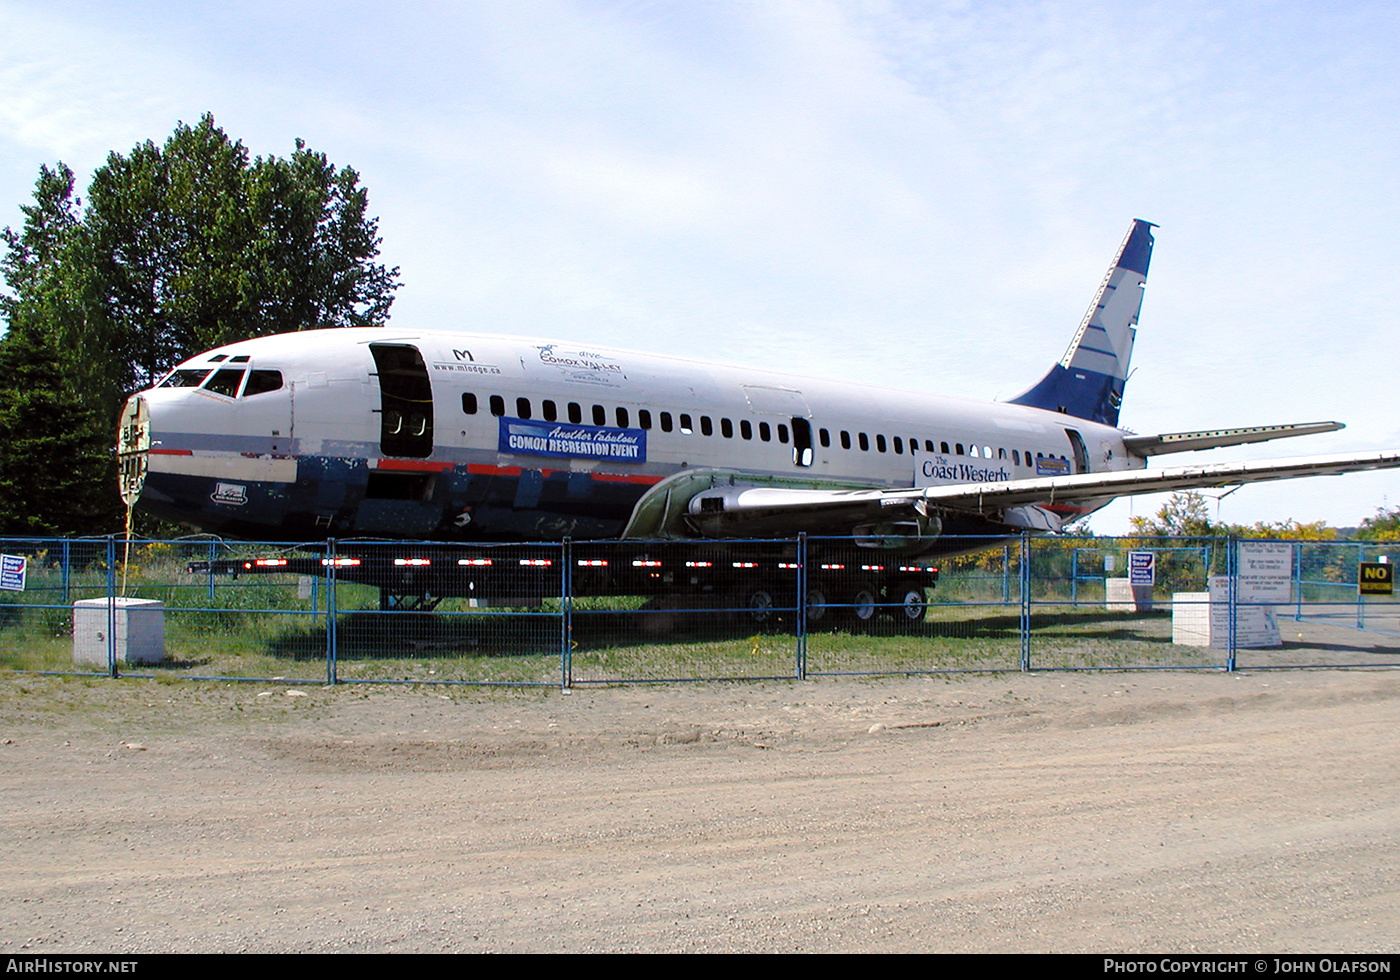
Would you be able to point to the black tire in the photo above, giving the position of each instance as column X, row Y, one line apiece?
column 758, row 604
column 817, row 608
column 913, row 604
column 864, row 603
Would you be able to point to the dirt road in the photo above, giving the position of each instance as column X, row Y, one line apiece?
column 1163, row 811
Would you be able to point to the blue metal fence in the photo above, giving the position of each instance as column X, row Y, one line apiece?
column 569, row 613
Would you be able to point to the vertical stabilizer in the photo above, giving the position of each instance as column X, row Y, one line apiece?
column 1087, row 383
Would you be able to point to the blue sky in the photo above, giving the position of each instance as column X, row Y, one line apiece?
column 923, row 195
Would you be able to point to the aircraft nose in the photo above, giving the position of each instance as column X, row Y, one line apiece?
column 133, row 445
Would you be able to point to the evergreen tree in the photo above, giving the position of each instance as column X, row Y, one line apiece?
column 178, row 248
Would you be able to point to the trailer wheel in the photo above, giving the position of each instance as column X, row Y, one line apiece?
column 760, row 606
column 913, row 604
column 864, row 604
column 816, row 605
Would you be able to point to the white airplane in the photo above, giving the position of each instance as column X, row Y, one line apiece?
column 454, row 436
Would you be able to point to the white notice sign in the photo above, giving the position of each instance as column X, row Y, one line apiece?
column 1266, row 571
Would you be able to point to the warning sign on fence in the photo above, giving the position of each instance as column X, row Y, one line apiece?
column 1375, row 578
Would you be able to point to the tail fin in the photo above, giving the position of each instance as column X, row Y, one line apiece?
column 1088, row 381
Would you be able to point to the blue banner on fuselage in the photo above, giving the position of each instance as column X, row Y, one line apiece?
column 534, row 438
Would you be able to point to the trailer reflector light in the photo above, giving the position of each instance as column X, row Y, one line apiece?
column 833, row 568
column 744, row 564
column 699, row 564
column 931, row 569
column 270, row 562
column 340, row 562
column 537, row 562
column 593, row 562
column 872, row 568
column 473, row 561
column 413, row 561
column 645, row 563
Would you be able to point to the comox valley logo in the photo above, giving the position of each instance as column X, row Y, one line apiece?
column 522, row 436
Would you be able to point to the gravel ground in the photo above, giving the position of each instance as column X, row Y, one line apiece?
column 1153, row 811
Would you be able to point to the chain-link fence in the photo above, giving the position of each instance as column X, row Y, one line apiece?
column 565, row 613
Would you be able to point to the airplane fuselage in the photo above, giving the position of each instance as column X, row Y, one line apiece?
column 455, row 436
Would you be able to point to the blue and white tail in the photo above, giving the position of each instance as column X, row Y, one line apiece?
column 1087, row 382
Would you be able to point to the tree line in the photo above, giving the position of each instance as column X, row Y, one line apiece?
column 174, row 249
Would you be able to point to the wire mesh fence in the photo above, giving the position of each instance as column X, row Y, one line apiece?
column 566, row 613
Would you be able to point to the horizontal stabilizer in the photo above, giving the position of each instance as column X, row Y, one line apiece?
column 1189, row 442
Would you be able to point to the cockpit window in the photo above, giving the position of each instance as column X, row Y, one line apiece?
column 225, row 382
column 260, row 382
column 184, row 378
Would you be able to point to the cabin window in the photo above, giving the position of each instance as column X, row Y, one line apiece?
column 522, row 408
column 468, row 401
column 1001, row 453
column 261, row 382
column 225, row 382
column 217, row 358
column 726, row 428
column 945, row 448
column 972, row 451
column 644, row 418
column 782, row 433
column 551, row 411
column 707, row 428
column 880, row 443
column 959, row 447
column 986, row 452
column 622, row 419
column 765, row 432
column 239, row 359
column 864, row 442
column 1015, row 458
column 600, row 415
column 825, row 437
column 845, row 439
column 686, row 427
column 498, row 405
column 666, row 424
column 745, row 429
column 575, row 413
column 898, row 446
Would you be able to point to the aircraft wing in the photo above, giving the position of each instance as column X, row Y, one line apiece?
column 1020, row 503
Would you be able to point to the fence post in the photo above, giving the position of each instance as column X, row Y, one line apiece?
column 1006, row 573
column 566, row 614
column 802, row 605
column 111, row 605
column 67, row 564
column 1232, row 591
column 1298, row 579
column 1025, row 599
column 209, row 575
column 332, row 652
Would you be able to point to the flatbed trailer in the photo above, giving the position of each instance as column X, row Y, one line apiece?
column 760, row 578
